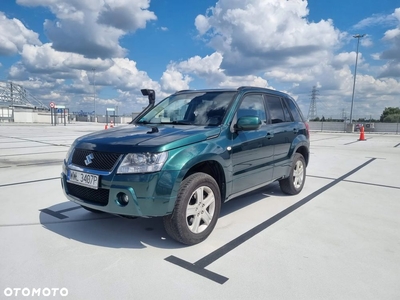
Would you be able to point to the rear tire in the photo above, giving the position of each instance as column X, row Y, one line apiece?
column 196, row 210
column 294, row 183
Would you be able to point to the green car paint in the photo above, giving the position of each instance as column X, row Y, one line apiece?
column 241, row 154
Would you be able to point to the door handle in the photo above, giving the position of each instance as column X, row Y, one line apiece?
column 295, row 131
column 269, row 135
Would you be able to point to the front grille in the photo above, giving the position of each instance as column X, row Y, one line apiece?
column 99, row 196
column 101, row 160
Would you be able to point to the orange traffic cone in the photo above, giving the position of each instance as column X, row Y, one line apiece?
column 112, row 124
column 106, row 126
column 362, row 137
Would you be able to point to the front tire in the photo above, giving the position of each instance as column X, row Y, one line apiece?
column 293, row 184
column 196, row 210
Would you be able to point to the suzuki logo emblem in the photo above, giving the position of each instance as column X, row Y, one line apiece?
column 89, row 159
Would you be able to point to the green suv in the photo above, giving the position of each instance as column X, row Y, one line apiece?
column 182, row 158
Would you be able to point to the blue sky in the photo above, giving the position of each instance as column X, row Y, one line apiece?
column 52, row 46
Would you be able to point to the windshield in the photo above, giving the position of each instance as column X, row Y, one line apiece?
column 203, row 108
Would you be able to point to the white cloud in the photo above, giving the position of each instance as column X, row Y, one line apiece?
column 207, row 68
column 14, row 35
column 257, row 35
column 173, row 80
column 392, row 36
column 44, row 59
column 67, row 78
column 125, row 76
column 248, row 80
column 93, row 28
column 366, row 42
column 268, row 43
column 344, row 58
column 126, row 15
column 376, row 20
column 202, row 24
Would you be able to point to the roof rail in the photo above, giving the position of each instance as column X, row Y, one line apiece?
column 247, row 86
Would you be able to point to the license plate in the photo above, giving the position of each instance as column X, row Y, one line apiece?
column 84, row 179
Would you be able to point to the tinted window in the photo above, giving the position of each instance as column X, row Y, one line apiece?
column 288, row 117
column 252, row 106
column 294, row 110
column 275, row 109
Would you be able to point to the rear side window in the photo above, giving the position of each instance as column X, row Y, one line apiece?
column 275, row 109
column 288, row 117
column 294, row 110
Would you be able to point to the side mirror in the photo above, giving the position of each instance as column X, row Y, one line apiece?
column 151, row 95
column 248, row 123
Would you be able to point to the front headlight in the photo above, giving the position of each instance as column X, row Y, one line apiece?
column 142, row 162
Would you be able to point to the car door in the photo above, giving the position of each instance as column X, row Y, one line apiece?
column 252, row 151
column 284, row 132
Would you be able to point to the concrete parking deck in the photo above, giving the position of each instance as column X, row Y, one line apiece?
column 338, row 239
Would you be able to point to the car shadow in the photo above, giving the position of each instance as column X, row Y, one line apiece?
column 73, row 222
column 250, row 198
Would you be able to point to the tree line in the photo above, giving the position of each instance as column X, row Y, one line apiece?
column 390, row 115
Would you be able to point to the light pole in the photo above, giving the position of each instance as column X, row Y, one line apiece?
column 357, row 36
column 94, row 92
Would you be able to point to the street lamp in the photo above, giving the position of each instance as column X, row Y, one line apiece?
column 94, row 92
column 357, row 36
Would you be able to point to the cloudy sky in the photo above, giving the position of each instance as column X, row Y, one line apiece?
column 78, row 52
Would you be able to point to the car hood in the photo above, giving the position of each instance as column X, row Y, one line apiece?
column 135, row 138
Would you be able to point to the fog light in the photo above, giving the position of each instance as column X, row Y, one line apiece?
column 122, row 199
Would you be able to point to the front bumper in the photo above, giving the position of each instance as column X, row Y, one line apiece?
column 150, row 195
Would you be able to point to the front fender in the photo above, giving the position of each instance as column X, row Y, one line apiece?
column 183, row 159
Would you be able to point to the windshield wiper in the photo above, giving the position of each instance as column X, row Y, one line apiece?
column 145, row 122
column 178, row 122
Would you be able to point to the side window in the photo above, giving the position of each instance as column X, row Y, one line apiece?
column 252, row 106
column 294, row 110
column 288, row 117
column 275, row 109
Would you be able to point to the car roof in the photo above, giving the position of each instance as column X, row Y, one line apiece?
column 243, row 89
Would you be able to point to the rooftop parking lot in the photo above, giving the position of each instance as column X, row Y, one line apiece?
column 338, row 239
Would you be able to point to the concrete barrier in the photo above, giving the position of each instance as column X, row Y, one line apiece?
column 342, row 127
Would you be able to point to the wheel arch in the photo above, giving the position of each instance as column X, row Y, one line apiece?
column 303, row 150
column 212, row 168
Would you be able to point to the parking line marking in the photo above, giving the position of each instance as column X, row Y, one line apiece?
column 397, row 145
column 329, row 138
column 69, row 209
column 199, row 265
column 41, row 142
column 350, row 143
column 30, row 181
column 53, row 213
column 34, row 153
column 58, row 214
column 358, row 182
column 58, row 222
column 53, row 162
column 198, row 270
